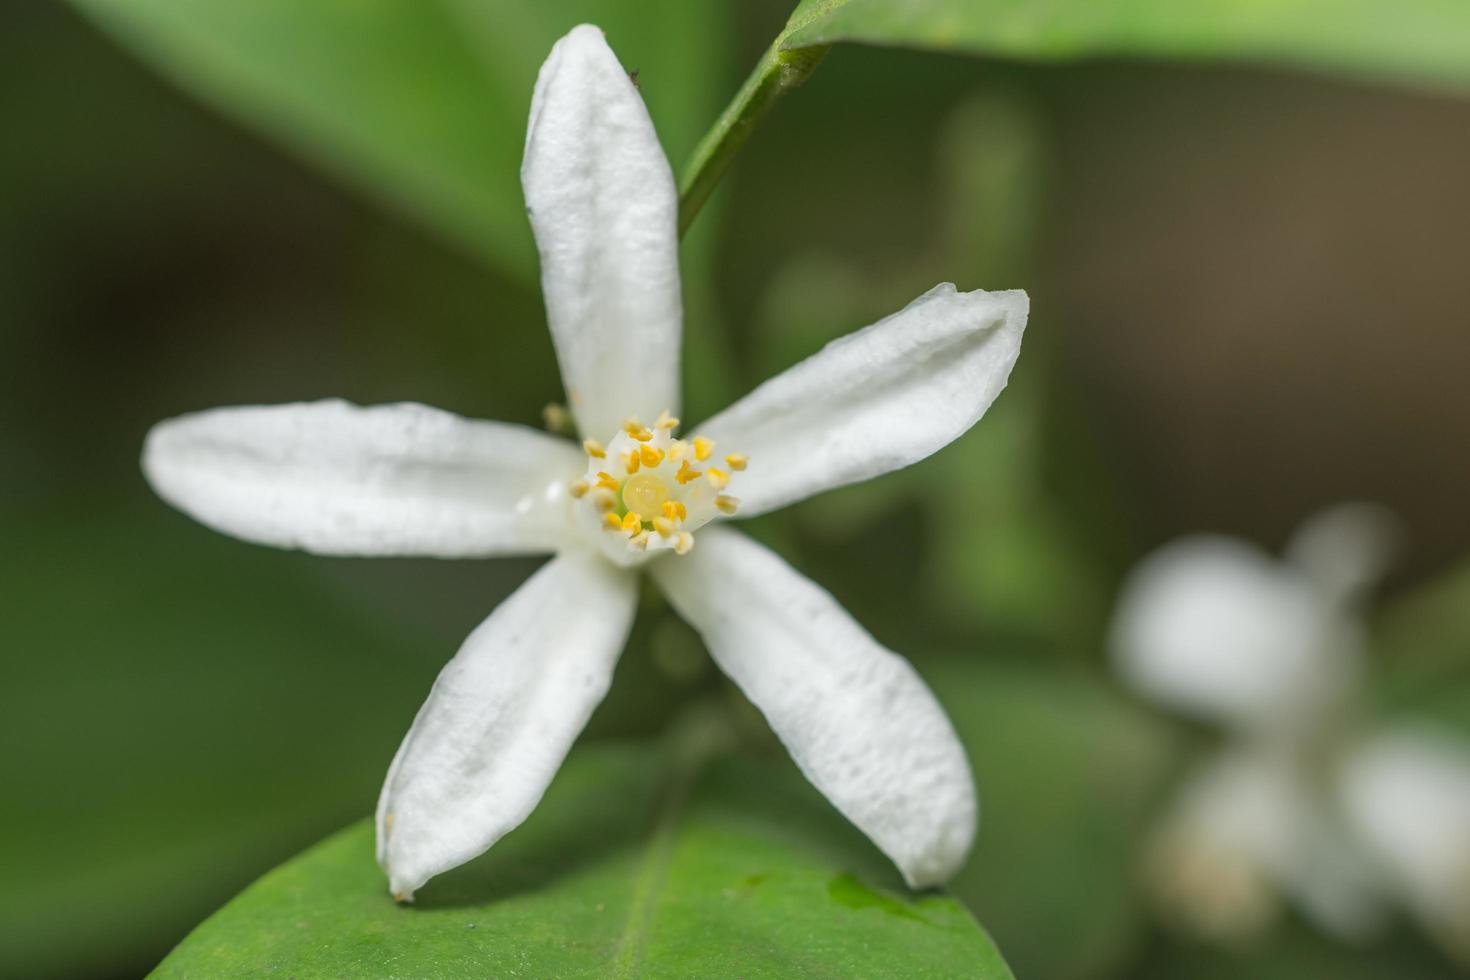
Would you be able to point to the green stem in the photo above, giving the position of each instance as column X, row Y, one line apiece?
column 777, row 73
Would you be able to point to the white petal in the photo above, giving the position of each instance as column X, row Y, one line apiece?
column 857, row 718
column 605, row 213
column 334, row 478
column 1407, row 792
column 876, row 400
column 501, row 718
column 1214, row 627
column 1346, row 549
column 1246, row 827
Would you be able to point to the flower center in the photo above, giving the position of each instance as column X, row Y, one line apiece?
column 645, row 491
column 644, row 494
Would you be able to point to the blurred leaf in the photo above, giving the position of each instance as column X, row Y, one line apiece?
column 1068, row 774
column 1424, row 42
column 422, row 102
column 1295, row 951
column 190, row 709
column 633, row 865
column 1423, row 639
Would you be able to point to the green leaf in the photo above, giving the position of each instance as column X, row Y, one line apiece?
column 1425, row 42
column 421, row 102
column 633, row 865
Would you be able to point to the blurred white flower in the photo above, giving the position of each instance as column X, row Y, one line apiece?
column 1297, row 804
column 334, row 478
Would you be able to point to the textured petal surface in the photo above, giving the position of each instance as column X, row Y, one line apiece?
column 1407, row 793
column 1216, row 628
column 856, row 717
column 876, row 400
column 501, row 718
column 334, row 478
column 605, row 214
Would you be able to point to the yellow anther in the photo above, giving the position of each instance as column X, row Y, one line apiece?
column 651, row 455
column 664, row 526
column 703, row 447
column 675, row 510
column 579, row 488
column 727, row 504
column 630, row 461
column 604, row 499
column 686, row 473
column 631, row 523
column 665, row 421
column 594, row 449
column 611, row 522
column 678, row 449
column 607, row 481
column 737, row 461
column 683, row 543
column 719, row 479
column 639, row 540
column 557, row 418
column 637, row 430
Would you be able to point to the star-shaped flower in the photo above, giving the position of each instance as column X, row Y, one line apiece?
column 1301, row 802
column 333, row 478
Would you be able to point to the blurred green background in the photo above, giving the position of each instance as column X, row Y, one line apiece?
column 1249, row 299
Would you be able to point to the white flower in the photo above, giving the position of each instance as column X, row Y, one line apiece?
column 1297, row 803
column 333, row 478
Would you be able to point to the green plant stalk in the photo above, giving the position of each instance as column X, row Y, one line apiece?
column 778, row 72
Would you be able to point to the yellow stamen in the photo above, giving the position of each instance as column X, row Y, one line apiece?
column 675, row 510
column 607, row 481
column 727, row 505
column 677, row 449
column 639, row 540
column 703, row 447
column 686, row 473
column 719, row 479
column 557, row 418
column 651, row 455
column 611, row 522
column 664, row 526
column 594, row 449
column 737, row 461
column 579, row 488
column 683, row 543
column 665, row 421
column 631, row 523
column 630, row 461
column 637, row 430
column 604, row 500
